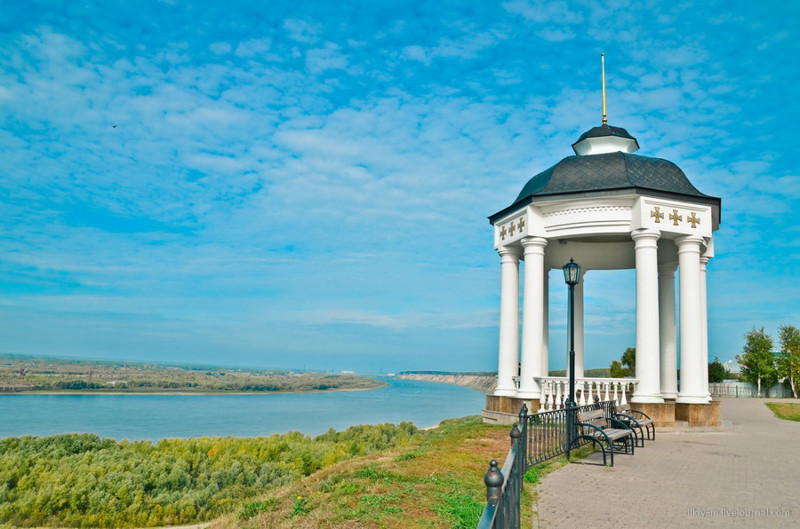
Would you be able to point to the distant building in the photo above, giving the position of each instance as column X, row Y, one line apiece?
column 732, row 366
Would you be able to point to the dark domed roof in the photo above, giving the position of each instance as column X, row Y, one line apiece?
column 605, row 165
column 609, row 174
column 614, row 170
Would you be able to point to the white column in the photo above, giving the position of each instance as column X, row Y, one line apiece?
column 691, row 387
column 546, row 322
column 578, row 327
column 647, row 339
column 667, row 331
column 509, row 322
column 532, row 318
column 704, row 325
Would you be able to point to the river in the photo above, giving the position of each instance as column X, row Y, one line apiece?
column 157, row 417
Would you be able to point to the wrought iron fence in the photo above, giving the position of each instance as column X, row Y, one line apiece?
column 504, row 487
column 542, row 436
column 547, row 431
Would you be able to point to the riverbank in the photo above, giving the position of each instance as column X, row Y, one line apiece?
column 39, row 375
column 479, row 382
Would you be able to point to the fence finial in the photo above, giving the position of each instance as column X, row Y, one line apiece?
column 494, row 481
column 515, row 434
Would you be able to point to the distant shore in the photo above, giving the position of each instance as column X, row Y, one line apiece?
column 187, row 393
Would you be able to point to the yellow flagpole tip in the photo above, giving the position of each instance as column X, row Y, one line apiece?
column 603, row 68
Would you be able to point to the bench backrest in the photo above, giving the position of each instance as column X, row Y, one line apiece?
column 595, row 417
column 623, row 408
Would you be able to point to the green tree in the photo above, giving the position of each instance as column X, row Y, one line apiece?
column 717, row 371
column 758, row 364
column 617, row 371
column 629, row 361
column 789, row 361
column 626, row 366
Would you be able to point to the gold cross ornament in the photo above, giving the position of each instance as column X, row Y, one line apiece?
column 656, row 214
column 521, row 223
column 674, row 217
column 693, row 220
column 503, row 233
column 512, row 227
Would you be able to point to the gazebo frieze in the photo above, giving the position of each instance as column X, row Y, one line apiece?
column 673, row 217
column 512, row 228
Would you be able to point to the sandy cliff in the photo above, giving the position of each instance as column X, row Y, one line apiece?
column 478, row 382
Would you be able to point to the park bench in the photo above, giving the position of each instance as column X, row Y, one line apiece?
column 637, row 421
column 606, row 432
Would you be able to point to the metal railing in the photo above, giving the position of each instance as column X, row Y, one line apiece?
column 547, row 431
column 504, row 487
column 543, row 436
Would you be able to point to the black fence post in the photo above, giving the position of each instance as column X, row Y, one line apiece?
column 512, row 497
column 523, row 421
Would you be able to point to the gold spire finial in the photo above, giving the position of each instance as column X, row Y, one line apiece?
column 603, row 65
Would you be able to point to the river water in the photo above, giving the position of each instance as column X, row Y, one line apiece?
column 156, row 417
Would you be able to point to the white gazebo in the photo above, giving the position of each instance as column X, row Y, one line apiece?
column 609, row 209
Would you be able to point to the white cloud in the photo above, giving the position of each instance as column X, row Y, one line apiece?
column 545, row 11
column 220, row 48
column 301, row 30
column 321, row 59
column 253, row 47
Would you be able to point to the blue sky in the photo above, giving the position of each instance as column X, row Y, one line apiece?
column 300, row 183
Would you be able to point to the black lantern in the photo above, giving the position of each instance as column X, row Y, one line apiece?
column 572, row 276
column 572, row 273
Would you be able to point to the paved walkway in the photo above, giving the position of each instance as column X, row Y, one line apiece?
column 746, row 476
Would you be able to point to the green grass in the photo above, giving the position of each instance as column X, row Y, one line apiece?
column 433, row 482
column 785, row 410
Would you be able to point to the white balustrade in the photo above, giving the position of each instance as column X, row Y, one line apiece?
column 555, row 390
column 559, row 399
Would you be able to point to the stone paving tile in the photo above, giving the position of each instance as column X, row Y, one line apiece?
column 746, row 476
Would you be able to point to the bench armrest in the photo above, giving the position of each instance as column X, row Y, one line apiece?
column 594, row 427
column 640, row 413
column 626, row 417
column 621, row 424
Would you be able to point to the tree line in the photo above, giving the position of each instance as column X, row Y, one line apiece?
column 761, row 365
column 81, row 480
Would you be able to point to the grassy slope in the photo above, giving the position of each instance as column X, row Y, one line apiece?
column 436, row 483
column 431, row 483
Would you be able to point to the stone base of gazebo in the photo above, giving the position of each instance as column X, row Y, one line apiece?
column 663, row 414
column 505, row 410
column 699, row 414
